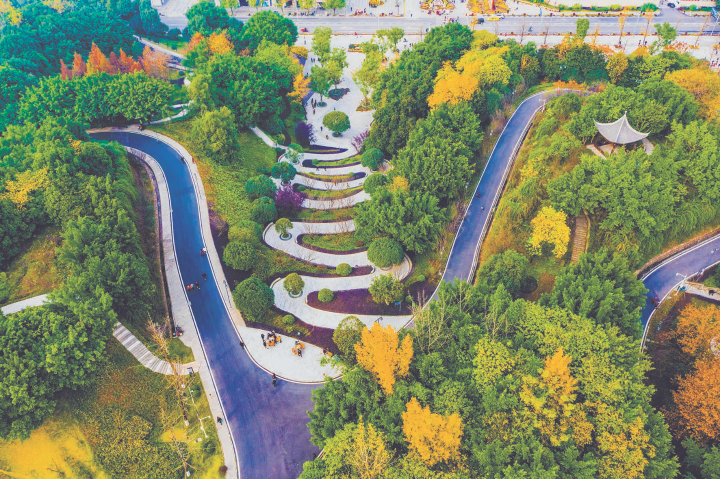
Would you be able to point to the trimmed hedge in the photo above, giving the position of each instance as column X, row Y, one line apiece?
column 325, row 295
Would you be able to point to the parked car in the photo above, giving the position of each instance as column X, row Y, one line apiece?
column 671, row 5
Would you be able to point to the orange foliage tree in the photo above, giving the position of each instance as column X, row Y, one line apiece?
column 696, row 327
column 97, row 61
column 79, row 68
column 432, row 437
column 380, row 353
column 155, row 63
column 697, row 402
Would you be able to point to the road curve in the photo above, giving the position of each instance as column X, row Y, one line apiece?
column 662, row 279
column 462, row 258
column 269, row 424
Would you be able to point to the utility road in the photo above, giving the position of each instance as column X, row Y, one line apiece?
column 268, row 424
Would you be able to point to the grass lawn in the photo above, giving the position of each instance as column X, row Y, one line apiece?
column 337, row 242
column 179, row 46
column 324, row 215
column 331, row 193
column 329, row 178
column 344, row 161
column 32, row 273
column 67, row 443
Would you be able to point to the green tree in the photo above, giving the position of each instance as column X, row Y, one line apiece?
column 509, row 269
column 373, row 182
column 205, row 18
column 270, row 26
column 282, row 227
column 414, row 220
column 231, row 4
column 253, row 298
column 294, row 284
column 391, row 35
column 306, row 4
column 284, row 171
column 321, row 43
column 347, row 335
column 334, row 4
column 150, row 19
column 263, row 210
column 582, row 25
column 666, row 34
column 320, row 80
column 260, row 185
column 240, row 255
column 386, row 289
column 385, row 252
column 367, row 76
column 602, row 287
column 337, row 122
column 215, row 135
column 372, row 158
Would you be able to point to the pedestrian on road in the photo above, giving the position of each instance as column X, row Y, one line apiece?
column 242, row 345
column 188, row 287
column 482, row 208
column 274, row 378
column 197, row 285
column 202, row 252
column 204, row 276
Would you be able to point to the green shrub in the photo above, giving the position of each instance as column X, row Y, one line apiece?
column 239, row 255
column 288, row 319
column 372, row 159
column 337, row 122
column 373, row 182
column 246, row 231
column 263, row 210
column 315, row 162
column 421, row 278
column 301, row 188
column 260, row 185
column 408, row 299
column 253, row 298
column 347, row 335
column 385, row 252
column 4, row 288
column 386, row 289
column 325, row 295
column 282, row 227
column 294, row 284
column 284, row 171
column 343, row 269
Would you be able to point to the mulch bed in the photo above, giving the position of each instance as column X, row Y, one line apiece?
column 361, row 271
column 331, row 251
column 309, row 164
column 356, row 301
column 337, row 93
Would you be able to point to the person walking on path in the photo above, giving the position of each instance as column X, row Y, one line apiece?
column 274, row 378
column 204, row 276
column 219, row 420
column 264, row 344
column 197, row 285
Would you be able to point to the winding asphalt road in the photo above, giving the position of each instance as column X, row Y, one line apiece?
column 662, row 279
column 269, row 424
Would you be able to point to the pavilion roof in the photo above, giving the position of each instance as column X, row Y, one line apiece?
column 620, row 131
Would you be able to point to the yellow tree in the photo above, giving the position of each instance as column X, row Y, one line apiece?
column 452, row 87
column 300, row 88
column 400, row 183
column 155, row 63
column 551, row 406
column 432, row 437
column 703, row 84
column 357, row 451
column 27, row 182
column 14, row 17
column 218, row 43
column 616, row 66
column 549, row 226
column 380, row 353
column 623, row 443
column 697, row 402
column 57, row 5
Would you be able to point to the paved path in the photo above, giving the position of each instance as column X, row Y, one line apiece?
column 265, row 421
column 669, row 274
column 143, row 354
column 25, row 303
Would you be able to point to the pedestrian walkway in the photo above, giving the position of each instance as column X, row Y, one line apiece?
column 582, row 227
column 146, row 358
column 700, row 289
column 25, row 303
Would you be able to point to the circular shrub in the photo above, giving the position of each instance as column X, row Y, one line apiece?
column 373, row 182
column 294, row 284
column 385, row 252
column 408, row 299
column 301, row 188
column 239, row 255
column 260, row 185
column 253, row 298
column 347, row 335
column 282, row 227
column 288, row 319
column 337, row 122
column 343, row 269
column 315, row 162
column 421, row 278
column 325, row 295
column 372, row 159
column 284, row 171
column 263, row 210
column 246, row 231
column 296, row 147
